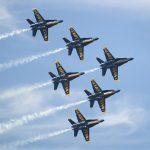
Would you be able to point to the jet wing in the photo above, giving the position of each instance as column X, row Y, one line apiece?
column 108, row 55
column 80, row 51
column 44, row 32
column 38, row 16
column 101, row 103
column 114, row 72
column 66, row 86
column 60, row 69
column 85, row 132
column 74, row 34
column 80, row 117
column 95, row 86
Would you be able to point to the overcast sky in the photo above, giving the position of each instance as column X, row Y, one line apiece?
column 123, row 27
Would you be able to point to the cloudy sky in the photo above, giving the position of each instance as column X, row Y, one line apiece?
column 122, row 26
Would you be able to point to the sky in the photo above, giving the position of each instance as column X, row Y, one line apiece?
column 122, row 27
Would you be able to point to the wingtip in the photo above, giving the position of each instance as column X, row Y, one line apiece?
column 71, row 26
column 34, row 9
column 104, row 112
column 57, row 62
column 116, row 81
column 105, row 48
column 92, row 80
column 97, row 58
column 76, row 109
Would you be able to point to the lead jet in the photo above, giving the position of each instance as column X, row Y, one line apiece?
column 64, row 78
column 77, row 43
column 42, row 24
column 83, row 125
column 112, row 63
column 99, row 95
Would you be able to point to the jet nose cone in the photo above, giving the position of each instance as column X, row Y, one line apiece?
column 130, row 59
column 60, row 21
column 82, row 73
column 102, row 120
column 95, row 39
column 117, row 91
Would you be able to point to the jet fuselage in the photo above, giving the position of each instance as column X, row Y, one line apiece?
column 81, row 42
column 68, row 76
column 45, row 24
column 87, row 123
column 102, row 94
column 115, row 62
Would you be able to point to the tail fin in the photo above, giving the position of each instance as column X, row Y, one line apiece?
column 87, row 92
column 56, row 85
column 29, row 21
column 99, row 60
column 52, row 75
column 71, row 121
column 75, row 132
column 66, row 40
column 34, row 31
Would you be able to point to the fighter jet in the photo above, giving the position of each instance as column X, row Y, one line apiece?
column 99, row 95
column 41, row 24
column 64, row 78
column 112, row 63
column 83, row 125
column 77, row 43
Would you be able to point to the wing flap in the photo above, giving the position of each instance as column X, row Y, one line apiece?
column 101, row 103
column 80, row 52
column 95, row 86
column 108, row 55
column 66, row 86
column 85, row 132
column 44, row 32
column 38, row 16
column 60, row 69
column 114, row 72
column 80, row 117
column 74, row 34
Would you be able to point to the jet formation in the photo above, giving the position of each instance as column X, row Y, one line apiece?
column 42, row 24
column 64, row 78
column 83, row 124
column 99, row 95
column 111, row 63
column 77, row 43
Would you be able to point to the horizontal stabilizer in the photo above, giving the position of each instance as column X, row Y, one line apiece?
column 66, row 40
column 29, row 21
column 87, row 92
column 71, row 121
column 99, row 60
column 52, row 75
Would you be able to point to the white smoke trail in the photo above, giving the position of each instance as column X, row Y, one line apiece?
column 91, row 70
column 17, row 91
column 41, row 137
column 26, row 60
column 11, row 34
column 27, row 118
